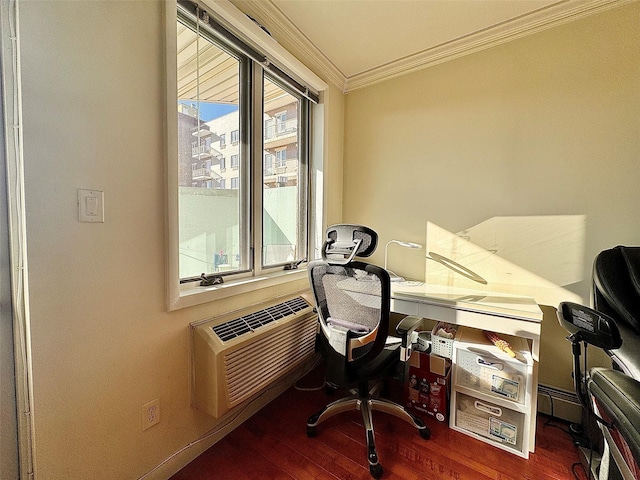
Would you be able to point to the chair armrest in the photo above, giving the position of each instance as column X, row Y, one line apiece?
column 408, row 325
column 405, row 329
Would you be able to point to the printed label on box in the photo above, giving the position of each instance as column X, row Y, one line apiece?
column 472, row 422
column 503, row 430
column 504, row 386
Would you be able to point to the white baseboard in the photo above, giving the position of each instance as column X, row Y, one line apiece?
column 229, row 422
column 559, row 403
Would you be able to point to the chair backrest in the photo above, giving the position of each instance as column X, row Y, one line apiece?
column 616, row 293
column 352, row 297
column 616, row 285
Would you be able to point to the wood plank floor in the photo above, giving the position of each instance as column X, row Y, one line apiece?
column 273, row 445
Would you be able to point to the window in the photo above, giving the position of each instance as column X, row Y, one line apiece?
column 269, row 130
column 281, row 122
column 237, row 213
column 281, row 158
column 268, row 164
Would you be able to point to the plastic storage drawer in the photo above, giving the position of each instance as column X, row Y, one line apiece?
column 492, row 423
column 481, row 366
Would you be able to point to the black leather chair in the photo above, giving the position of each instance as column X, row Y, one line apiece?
column 616, row 293
column 611, row 395
column 353, row 301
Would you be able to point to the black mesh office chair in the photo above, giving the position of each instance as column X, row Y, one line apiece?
column 353, row 301
column 611, row 395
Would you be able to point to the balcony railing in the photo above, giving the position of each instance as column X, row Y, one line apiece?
column 204, row 152
column 281, row 129
column 201, row 151
column 206, row 173
column 291, row 168
column 201, row 174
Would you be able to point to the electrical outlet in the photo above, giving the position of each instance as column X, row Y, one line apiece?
column 150, row 414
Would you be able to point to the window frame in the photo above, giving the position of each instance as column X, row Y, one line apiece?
column 181, row 295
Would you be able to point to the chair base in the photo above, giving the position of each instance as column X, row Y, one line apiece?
column 367, row 404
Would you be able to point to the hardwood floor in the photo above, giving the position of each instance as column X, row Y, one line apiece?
column 273, row 445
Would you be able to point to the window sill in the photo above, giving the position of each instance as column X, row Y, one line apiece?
column 189, row 295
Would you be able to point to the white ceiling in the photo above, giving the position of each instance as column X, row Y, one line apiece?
column 361, row 35
column 359, row 42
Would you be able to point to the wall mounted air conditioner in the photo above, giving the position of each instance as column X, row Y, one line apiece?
column 237, row 355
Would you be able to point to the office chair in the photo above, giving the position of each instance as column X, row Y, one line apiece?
column 353, row 302
column 611, row 396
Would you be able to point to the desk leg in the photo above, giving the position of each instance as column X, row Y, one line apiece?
column 534, row 408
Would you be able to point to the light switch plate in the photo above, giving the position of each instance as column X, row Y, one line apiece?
column 90, row 206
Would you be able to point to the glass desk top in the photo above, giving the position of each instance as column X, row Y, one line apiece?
column 494, row 303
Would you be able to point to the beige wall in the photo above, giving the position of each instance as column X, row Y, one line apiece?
column 545, row 125
column 103, row 343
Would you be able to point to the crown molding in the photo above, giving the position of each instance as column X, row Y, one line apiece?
column 534, row 22
column 287, row 34
column 283, row 30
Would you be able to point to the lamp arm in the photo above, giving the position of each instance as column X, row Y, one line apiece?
column 402, row 244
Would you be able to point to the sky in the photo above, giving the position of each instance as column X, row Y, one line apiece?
column 209, row 111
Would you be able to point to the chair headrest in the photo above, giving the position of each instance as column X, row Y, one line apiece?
column 344, row 242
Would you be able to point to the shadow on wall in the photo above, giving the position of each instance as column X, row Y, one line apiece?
column 534, row 256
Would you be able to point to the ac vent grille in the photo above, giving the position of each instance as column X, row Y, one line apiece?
column 249, row 323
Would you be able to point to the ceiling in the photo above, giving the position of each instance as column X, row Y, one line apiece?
column 359, row 42
column 361, row 35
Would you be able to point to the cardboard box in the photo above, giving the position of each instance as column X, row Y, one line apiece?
column 428, row 388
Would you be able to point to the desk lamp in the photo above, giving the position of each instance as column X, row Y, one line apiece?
column 394, row 277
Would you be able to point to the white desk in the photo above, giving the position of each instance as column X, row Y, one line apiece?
column 496, row 312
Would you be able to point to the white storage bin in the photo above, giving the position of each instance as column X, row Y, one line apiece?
column 492, row 423
column 441, row 345
column 481, row 366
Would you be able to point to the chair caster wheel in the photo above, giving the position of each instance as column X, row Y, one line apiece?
column 375, row 470
column 311, row 432
column 425, row 433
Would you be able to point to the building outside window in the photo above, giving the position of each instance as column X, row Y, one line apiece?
column 217, row 214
